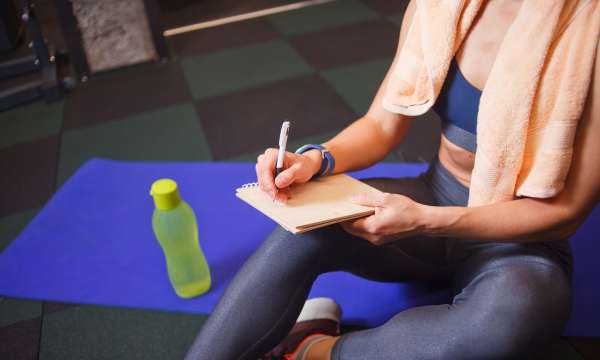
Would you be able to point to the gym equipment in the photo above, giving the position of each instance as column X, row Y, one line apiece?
column 31, row 74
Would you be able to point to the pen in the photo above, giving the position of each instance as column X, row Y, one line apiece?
column 283, row 137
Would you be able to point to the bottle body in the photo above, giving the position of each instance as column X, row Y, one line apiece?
column 177, row 232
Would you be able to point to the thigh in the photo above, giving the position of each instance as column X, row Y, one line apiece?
column 412, row 259
column 507, row 308
column 517, row 295
column 432, row 250
column 333, row 249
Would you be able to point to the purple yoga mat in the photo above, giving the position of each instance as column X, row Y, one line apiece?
column 93, row 244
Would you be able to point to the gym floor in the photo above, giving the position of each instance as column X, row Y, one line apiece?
column 221, row 97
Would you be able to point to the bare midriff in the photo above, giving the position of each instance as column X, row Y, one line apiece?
column 458, row 161
column 475, row 59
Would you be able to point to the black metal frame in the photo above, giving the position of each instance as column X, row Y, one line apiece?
column 156, row 28
column 42, row 60
column 72, row 36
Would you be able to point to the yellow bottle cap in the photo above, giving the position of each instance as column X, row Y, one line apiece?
column 165, row 193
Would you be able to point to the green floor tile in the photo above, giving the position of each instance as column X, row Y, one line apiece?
column 30, row 122
column 319, row 17
column 240, row 68
column 358, row 83
column 396, row 18
column 15, row 310
column 171, row 133
column 292, row 145
column 11, row 226
column 92, row 332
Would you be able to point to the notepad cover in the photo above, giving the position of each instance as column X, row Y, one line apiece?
column 320, row 202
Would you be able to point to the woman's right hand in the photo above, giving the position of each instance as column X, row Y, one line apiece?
column 299, row 168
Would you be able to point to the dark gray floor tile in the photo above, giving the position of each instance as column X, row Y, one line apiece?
column 12, row 225
column 589, row 347
column 358, row 83
column 20, row 341
column 92, row 332
column 396, row 19
column 125, row 92
column 241, row 68
column 169, row 133
column 32, row 122
column 15, row 310
column 177, row 13
column 422, row 141
column 324, row 16
column 560, row 349
column 49, row 307
column 249, row 120
column 221, row 37
column 27, row 175
column 348, row 44
column 387, row 7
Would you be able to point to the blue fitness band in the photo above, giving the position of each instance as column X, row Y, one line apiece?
column 327, row 160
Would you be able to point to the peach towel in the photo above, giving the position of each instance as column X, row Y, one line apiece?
column 532, row 100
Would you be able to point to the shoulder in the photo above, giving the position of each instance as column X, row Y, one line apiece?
column 596, row 72
column 594, row 90
column 407, row 19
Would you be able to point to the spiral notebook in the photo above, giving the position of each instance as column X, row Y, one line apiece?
column 317, row 203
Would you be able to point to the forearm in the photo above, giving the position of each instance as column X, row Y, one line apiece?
column 523, row 220
column 364, row 143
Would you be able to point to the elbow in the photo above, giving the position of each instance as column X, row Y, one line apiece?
column 568, row 225
column 563, row 232
column 571, row 227
column 561, row 216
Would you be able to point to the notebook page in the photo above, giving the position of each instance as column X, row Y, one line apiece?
column 323, row 200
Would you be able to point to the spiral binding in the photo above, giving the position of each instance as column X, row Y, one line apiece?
column 249, row 185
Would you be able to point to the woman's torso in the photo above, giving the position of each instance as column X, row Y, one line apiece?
column 473, row 63
column 458, row 106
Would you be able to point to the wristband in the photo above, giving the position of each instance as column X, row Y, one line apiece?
column 327, row 160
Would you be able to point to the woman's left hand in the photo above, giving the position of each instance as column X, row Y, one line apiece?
column 396, row 216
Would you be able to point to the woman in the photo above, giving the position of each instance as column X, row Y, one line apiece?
column 508, row 262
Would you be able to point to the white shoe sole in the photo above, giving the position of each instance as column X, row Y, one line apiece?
column 320, row 308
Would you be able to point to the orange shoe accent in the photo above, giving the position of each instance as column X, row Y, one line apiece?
column 302, row 345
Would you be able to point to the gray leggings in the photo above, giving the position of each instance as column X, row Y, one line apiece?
column 507, row 298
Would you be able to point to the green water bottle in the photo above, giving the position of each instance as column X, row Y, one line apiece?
column 174, row 225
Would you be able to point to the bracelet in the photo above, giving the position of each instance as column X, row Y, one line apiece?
column 327, row 159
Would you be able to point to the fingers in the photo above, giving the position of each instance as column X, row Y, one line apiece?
column 288, row 176
column 359, row 228
column 265, row 165
column 378, row 199
column 295, row 172
column 347, row 226
column 282, row 195
column 364, row 225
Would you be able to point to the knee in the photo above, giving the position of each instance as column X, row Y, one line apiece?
column 532, row 297
column 524, row 308
column 297, row 248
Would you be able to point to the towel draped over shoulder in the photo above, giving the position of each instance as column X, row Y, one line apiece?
column 532, row 100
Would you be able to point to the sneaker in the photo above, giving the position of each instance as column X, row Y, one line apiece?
column 319, row 318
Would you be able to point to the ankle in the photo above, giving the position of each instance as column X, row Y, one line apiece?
column 314, row 347
column 320, row 349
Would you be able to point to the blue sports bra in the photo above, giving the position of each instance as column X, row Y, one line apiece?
column 458, row 105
